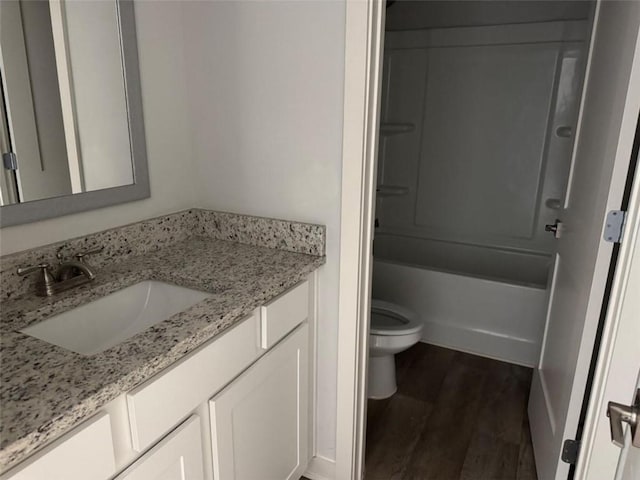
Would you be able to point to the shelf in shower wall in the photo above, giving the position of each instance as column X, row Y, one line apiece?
column 388, row 129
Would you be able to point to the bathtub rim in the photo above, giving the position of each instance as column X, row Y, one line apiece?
column 498, row 280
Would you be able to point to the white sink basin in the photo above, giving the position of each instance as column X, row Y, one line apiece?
column 110, row 320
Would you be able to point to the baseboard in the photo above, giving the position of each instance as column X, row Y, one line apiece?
column 321, row 468
column 483, row 343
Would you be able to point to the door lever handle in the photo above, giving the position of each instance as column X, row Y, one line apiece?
column 619, row 414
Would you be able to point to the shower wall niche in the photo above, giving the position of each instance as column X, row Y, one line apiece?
column 476, row 136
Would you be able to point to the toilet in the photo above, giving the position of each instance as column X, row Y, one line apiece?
column 393, row 330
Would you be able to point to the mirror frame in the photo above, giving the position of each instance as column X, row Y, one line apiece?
column 35, row 210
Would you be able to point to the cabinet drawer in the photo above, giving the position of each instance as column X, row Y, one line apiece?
column 282, row 315
column 85, row 452
column 179, row 456
column 161, row 402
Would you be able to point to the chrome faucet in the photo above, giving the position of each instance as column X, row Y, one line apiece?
column 74, row 268
column 79, row 266
column 70, row 274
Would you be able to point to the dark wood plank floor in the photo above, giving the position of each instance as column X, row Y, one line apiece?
column 455, row 417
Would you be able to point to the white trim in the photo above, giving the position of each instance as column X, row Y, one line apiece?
column 313, row 365
column 363, row 65
column 590, row 465
column 588, row 460
column 321, row 468
column 67, row 98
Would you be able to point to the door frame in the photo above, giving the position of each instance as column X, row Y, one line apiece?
column 364, row 35
column 363, row 67
column 601, row 465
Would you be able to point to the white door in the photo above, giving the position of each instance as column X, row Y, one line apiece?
column 260, row 421
column 43, row 171
column 617, row 375
column 176, row 457
column 628, row 467
column 605, row 130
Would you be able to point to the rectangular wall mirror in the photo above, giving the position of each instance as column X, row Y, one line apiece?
column 72, row 132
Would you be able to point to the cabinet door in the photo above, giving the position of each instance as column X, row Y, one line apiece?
column 177, row 457
column 260, row 421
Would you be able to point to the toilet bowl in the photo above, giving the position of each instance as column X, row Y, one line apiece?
column 393, row 330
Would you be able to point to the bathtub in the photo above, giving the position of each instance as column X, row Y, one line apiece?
column 485, row 316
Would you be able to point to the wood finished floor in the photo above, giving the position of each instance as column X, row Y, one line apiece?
column 455, row 417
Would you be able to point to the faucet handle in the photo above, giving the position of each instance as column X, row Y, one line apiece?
column 80, row 256
column 47, row 278
column 26, row 270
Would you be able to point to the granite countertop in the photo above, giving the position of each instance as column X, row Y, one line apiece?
column 46, row 390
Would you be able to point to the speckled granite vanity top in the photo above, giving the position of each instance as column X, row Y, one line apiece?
column 46, row 389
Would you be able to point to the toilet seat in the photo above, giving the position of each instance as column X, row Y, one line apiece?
column 390, row 319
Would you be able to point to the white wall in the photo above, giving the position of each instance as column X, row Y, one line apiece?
column 465, row 131
column 243, row 112
column 160, row 44
column 266, row 88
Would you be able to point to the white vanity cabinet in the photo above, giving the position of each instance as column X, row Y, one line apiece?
column 156, row 406
column 85, row 452
column 259, row 422
column 176, row 457
column 236, row 408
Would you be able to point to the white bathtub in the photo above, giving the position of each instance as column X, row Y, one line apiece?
column 478, row 315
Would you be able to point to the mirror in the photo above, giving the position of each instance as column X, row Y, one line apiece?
column 72, row 133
